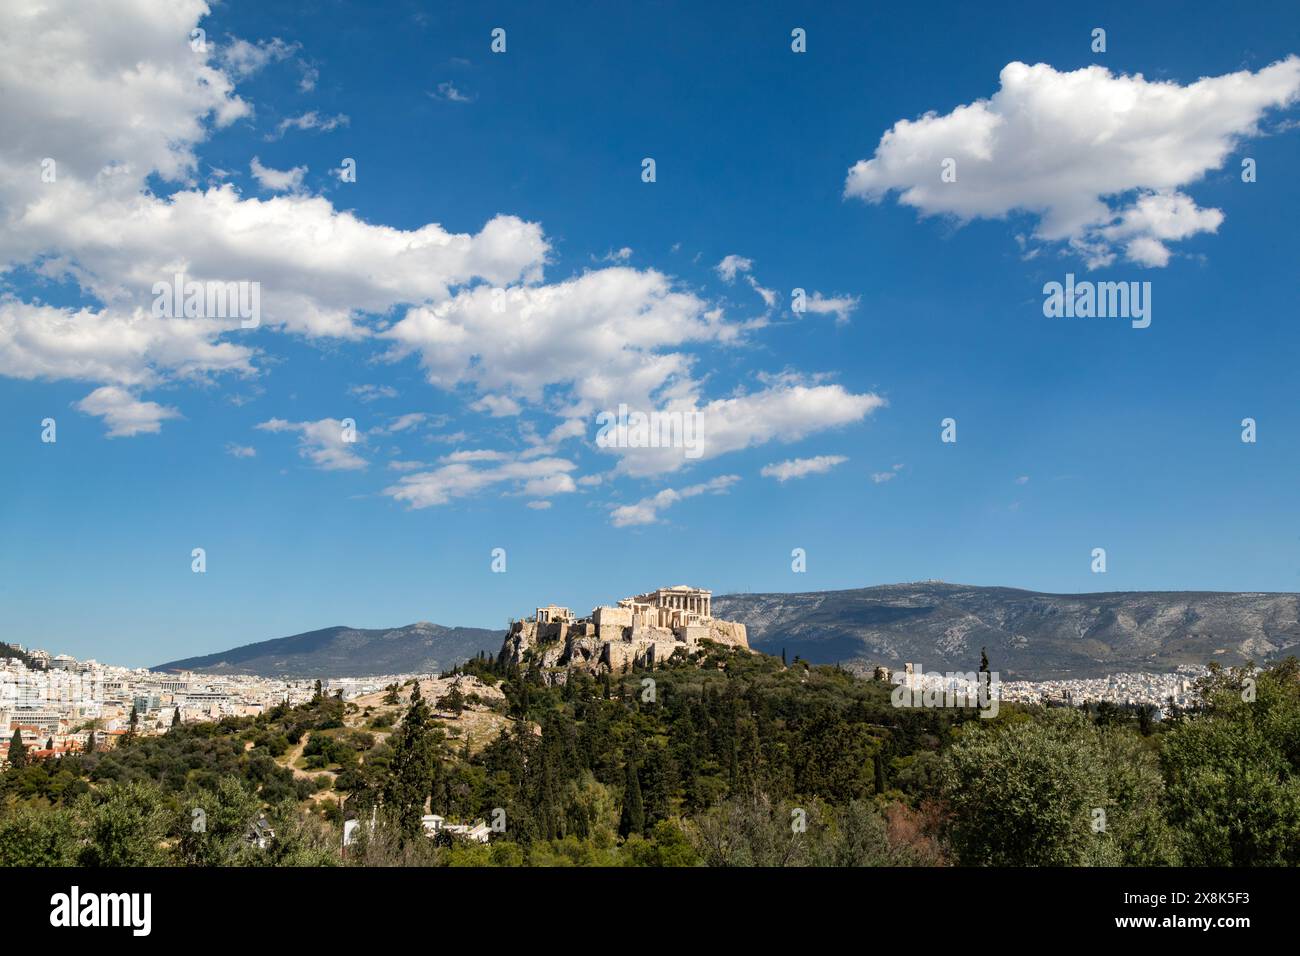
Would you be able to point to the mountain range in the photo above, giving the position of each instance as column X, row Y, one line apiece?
column 420, row 648
column 1028, row 635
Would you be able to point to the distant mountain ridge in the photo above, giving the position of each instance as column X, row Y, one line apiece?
column 422, row 648
column 1029, row 635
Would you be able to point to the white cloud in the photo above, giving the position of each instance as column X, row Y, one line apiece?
column 397, row 465
column 448, row 91
column 520, row 342
column 44, row 342
column 308, row 121
column 277, row 180
column 880, row 477
column 115, row 94
column 1022, row 480
column 404, row 422
column 458, row 477
column 240, row 451
column 783, row 412
column 125, row 414
column 98, row 85
column 841, row 306
column 646, row 511
column 371, row 393
column 731, row 265
column 498, row 406
column 539, row 505
column 242, row 58
column 1098, row 158
column 783, row 471
column 322, row 443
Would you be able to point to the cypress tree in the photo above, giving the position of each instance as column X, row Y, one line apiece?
column 176, row 717
column 632, row 819
column 17, row 750
column 410, row 774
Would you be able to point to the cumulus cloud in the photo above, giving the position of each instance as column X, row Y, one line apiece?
column 122, row 104
column 324, row 443
column 646, row 511
column 240, row 451
column 785, row 411
column 125, row 414
column 98, row 85
column 518, row 342
column 464, row 474
column 136, row 348
column 783, row 471
column 114, row 95
column 1098, row 158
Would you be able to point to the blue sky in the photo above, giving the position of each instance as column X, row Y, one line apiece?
column 521, row 171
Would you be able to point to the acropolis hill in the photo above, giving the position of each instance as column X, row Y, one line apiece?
column 639, row 631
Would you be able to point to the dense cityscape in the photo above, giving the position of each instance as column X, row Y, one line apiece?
column 60, row 705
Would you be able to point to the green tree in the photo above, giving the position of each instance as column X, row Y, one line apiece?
column 123, row 825
column 410, row 771
column 1024, row 793
column 38, row 836
column 632, row 819
column 17, row 750
column 1233, row 773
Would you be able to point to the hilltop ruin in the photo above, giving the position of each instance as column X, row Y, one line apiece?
column 639, row 631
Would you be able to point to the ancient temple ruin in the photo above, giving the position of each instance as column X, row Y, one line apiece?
column 643, row 631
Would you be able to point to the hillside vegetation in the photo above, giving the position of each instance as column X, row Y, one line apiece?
column 738, row 761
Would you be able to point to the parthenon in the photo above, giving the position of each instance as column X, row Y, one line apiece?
column 676, row 606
